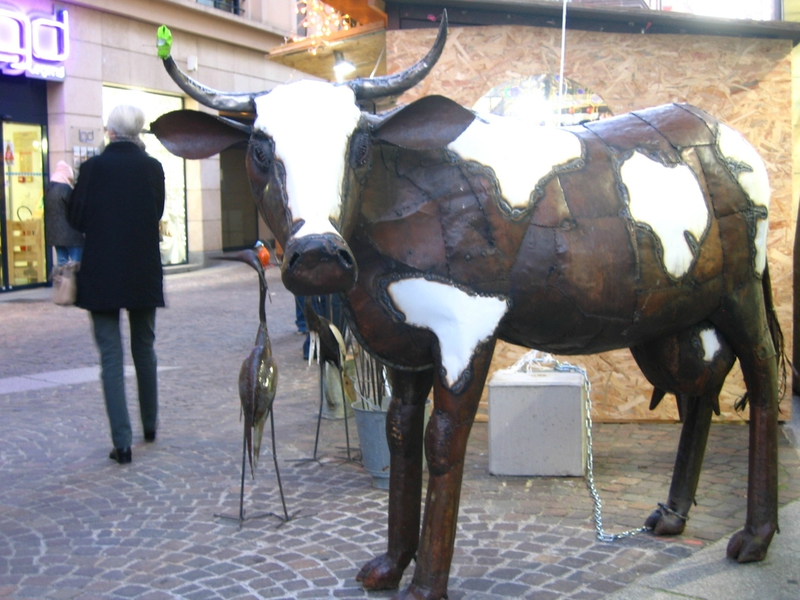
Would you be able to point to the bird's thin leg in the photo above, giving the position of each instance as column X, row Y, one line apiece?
column 241, row 518
column 321, row 399
column 344, row 406
column 275, row 461
column 244, row 470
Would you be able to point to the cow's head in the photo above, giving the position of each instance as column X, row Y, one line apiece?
column 309, row 148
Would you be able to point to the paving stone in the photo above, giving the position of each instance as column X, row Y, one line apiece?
column 74, row 524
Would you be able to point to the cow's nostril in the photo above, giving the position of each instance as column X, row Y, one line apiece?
column 293, row 260
column 346, row 257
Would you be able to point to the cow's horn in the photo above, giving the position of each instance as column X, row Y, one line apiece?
column 390, row 85
column 233, row 102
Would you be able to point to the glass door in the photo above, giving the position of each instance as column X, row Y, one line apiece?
column 24, row 261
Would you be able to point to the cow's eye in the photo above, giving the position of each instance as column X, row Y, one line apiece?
column 261, row 151
column 359, row 149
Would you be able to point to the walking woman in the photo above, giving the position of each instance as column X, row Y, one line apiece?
column 117, row 203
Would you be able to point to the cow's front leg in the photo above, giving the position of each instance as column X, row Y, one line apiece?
column 445, row 447
column 404, row 431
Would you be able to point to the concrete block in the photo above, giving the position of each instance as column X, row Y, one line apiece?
column 537, row 424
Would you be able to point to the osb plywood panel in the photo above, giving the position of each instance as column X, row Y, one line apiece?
column 744, row 82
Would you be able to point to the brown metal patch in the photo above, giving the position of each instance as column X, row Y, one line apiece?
column 678, row 125
column 602, row 198
column 586, row 256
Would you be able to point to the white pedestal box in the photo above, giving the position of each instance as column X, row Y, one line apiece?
column 537, row 424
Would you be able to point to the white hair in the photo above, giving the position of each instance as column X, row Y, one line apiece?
column 126, row 122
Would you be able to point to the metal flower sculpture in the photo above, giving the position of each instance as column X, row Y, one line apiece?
column 327, row 344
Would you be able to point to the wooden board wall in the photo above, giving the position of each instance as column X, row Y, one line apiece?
column 744, row 82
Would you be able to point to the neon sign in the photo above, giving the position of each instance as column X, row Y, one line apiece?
column 34, row 45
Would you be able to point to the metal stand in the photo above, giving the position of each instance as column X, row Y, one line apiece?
column 319, row 417
column 241, row 518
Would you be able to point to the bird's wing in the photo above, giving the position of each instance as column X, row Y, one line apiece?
column 340, row 341
column 248, row 377
column 313, row 346
column 263, row 398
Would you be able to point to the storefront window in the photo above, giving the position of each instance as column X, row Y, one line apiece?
column 173, row 222
column 23, row 189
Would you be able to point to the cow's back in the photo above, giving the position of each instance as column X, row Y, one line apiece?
column 652, row 230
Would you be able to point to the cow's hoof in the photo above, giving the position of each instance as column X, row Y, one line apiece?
column 663, row 521
column 414, row 592
column 381, row 573
column 750, row 545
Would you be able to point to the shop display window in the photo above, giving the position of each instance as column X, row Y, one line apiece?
column 24, row 259
column 173, row 222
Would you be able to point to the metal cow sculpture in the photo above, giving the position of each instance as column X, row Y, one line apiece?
column 444, row 231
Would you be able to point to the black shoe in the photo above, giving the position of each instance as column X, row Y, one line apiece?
column 121, row 455
column 150, row 436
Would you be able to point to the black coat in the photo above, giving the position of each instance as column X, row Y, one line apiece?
column 117, row 203
column 57, row 230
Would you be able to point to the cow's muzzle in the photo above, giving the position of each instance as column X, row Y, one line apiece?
column 318, row 264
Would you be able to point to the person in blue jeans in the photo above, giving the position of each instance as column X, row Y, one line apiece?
column 117, row 203
column 67, row 241
column 329, row 307
column 299, row 315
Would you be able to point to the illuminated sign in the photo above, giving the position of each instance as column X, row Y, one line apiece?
column 34, row 45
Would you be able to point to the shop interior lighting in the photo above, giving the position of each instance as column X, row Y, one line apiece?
column 341, row 67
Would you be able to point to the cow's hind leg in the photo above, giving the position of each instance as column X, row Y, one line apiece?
column 404, row 431
column 692, row 365
column 749, row 327
column 670, row 518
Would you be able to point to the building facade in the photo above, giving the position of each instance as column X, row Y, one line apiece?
column 64, row 66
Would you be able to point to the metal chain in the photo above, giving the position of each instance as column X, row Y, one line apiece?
column 538, row 361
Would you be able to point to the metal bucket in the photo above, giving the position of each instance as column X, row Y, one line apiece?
column 371, row 425
column 375, row 457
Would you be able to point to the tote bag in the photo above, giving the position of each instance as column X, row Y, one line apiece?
column 65, row 285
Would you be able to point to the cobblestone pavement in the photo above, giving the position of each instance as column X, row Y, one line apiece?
column 74, row 524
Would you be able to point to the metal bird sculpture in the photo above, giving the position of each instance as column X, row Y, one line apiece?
column 258, row 380
column 327, row 344
column 258, row 377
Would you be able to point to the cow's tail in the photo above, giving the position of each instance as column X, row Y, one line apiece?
column 776, row 333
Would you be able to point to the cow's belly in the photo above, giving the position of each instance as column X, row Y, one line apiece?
column 555, row 323
column 602, row 284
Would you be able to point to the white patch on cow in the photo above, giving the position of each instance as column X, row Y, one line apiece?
column 310, row 123
column 760, row 243
column 755, row 183
column 459, row 320
column 519, row 153
column 669, row 200
column 711, row 344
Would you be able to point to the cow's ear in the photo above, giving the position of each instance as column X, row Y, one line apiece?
column 430, row 122
column 194, row 134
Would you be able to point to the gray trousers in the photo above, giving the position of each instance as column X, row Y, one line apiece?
column 109, row 344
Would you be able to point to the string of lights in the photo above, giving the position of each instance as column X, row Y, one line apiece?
column 319, row 21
